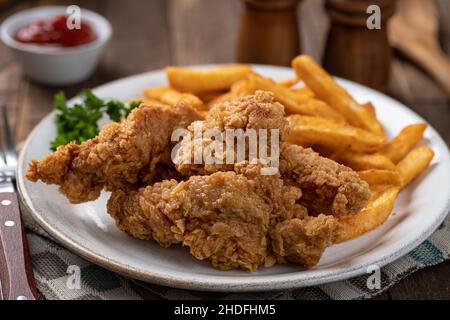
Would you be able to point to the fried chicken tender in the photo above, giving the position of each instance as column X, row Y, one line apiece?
column 229, row 218
column 328, row 187
column 256, row 112
column 303, row 241
column 116, row 157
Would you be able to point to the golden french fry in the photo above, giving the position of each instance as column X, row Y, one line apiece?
column 282, row 94
column 242, row 88
column 318, row 108
column 370, row 108
column 289, row 99
column 198, row 81
column 156, row 92
column 304, row 94
column 407, row 139
column 415, row 162
column 288, row 82
column 171, row 96
column 381, row 177
column 207, row 97
column 363, row 161
column 326, row 89
column 385, row 186
column 371, row 217
column 307, row 130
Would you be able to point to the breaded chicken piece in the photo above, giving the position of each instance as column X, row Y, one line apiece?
column 116, row 157
column 328, row 187
column 161, row 168
column 258, row 111
column 303, row 241
column 226, row 217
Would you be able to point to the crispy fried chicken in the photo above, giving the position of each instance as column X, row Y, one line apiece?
column 235, row 219
column 252, row 112
column 328, row 187
column 116, row 157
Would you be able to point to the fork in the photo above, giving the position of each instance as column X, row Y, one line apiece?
column 16, row 274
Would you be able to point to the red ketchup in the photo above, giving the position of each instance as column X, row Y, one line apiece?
column 56, row 33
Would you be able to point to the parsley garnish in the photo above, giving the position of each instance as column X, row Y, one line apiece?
column 79, row 122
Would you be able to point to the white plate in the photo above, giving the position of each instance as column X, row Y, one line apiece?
column 88, row 230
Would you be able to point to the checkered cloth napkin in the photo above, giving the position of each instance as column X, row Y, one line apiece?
column 51, row 263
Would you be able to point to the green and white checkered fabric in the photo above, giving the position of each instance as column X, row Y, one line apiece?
column 51, row 262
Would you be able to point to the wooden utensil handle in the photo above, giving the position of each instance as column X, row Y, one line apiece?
column 17, row 283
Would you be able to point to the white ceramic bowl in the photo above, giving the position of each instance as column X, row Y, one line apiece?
column 51, row 65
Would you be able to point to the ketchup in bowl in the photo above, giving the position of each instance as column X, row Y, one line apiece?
column 55, row 32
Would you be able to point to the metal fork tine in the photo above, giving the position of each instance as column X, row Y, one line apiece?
column 10, row 152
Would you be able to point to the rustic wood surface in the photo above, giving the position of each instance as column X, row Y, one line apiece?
column 152, row 34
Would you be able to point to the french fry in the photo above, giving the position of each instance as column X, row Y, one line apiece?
column 282, row 94
column 404, row 142
column 363, row 161
column 198, row 81
column 371, row 217
column 307, row 130
column 370, row 108
column 289, row 99
column 242, row 88
column 155, row 92
column 385, row 186
column 304, row 94
column 415, row 162
column 171, row 96
column 207, row 97
column 326, row 89
column 288, row 82
column 318, row 108
column 238, row 89
column 381, row 177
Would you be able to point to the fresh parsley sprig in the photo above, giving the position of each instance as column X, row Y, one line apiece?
column 79, row 122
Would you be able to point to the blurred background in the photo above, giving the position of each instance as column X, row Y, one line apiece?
column 152, row 34
column 407, row 58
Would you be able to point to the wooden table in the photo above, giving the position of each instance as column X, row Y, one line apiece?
column 152, row 34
